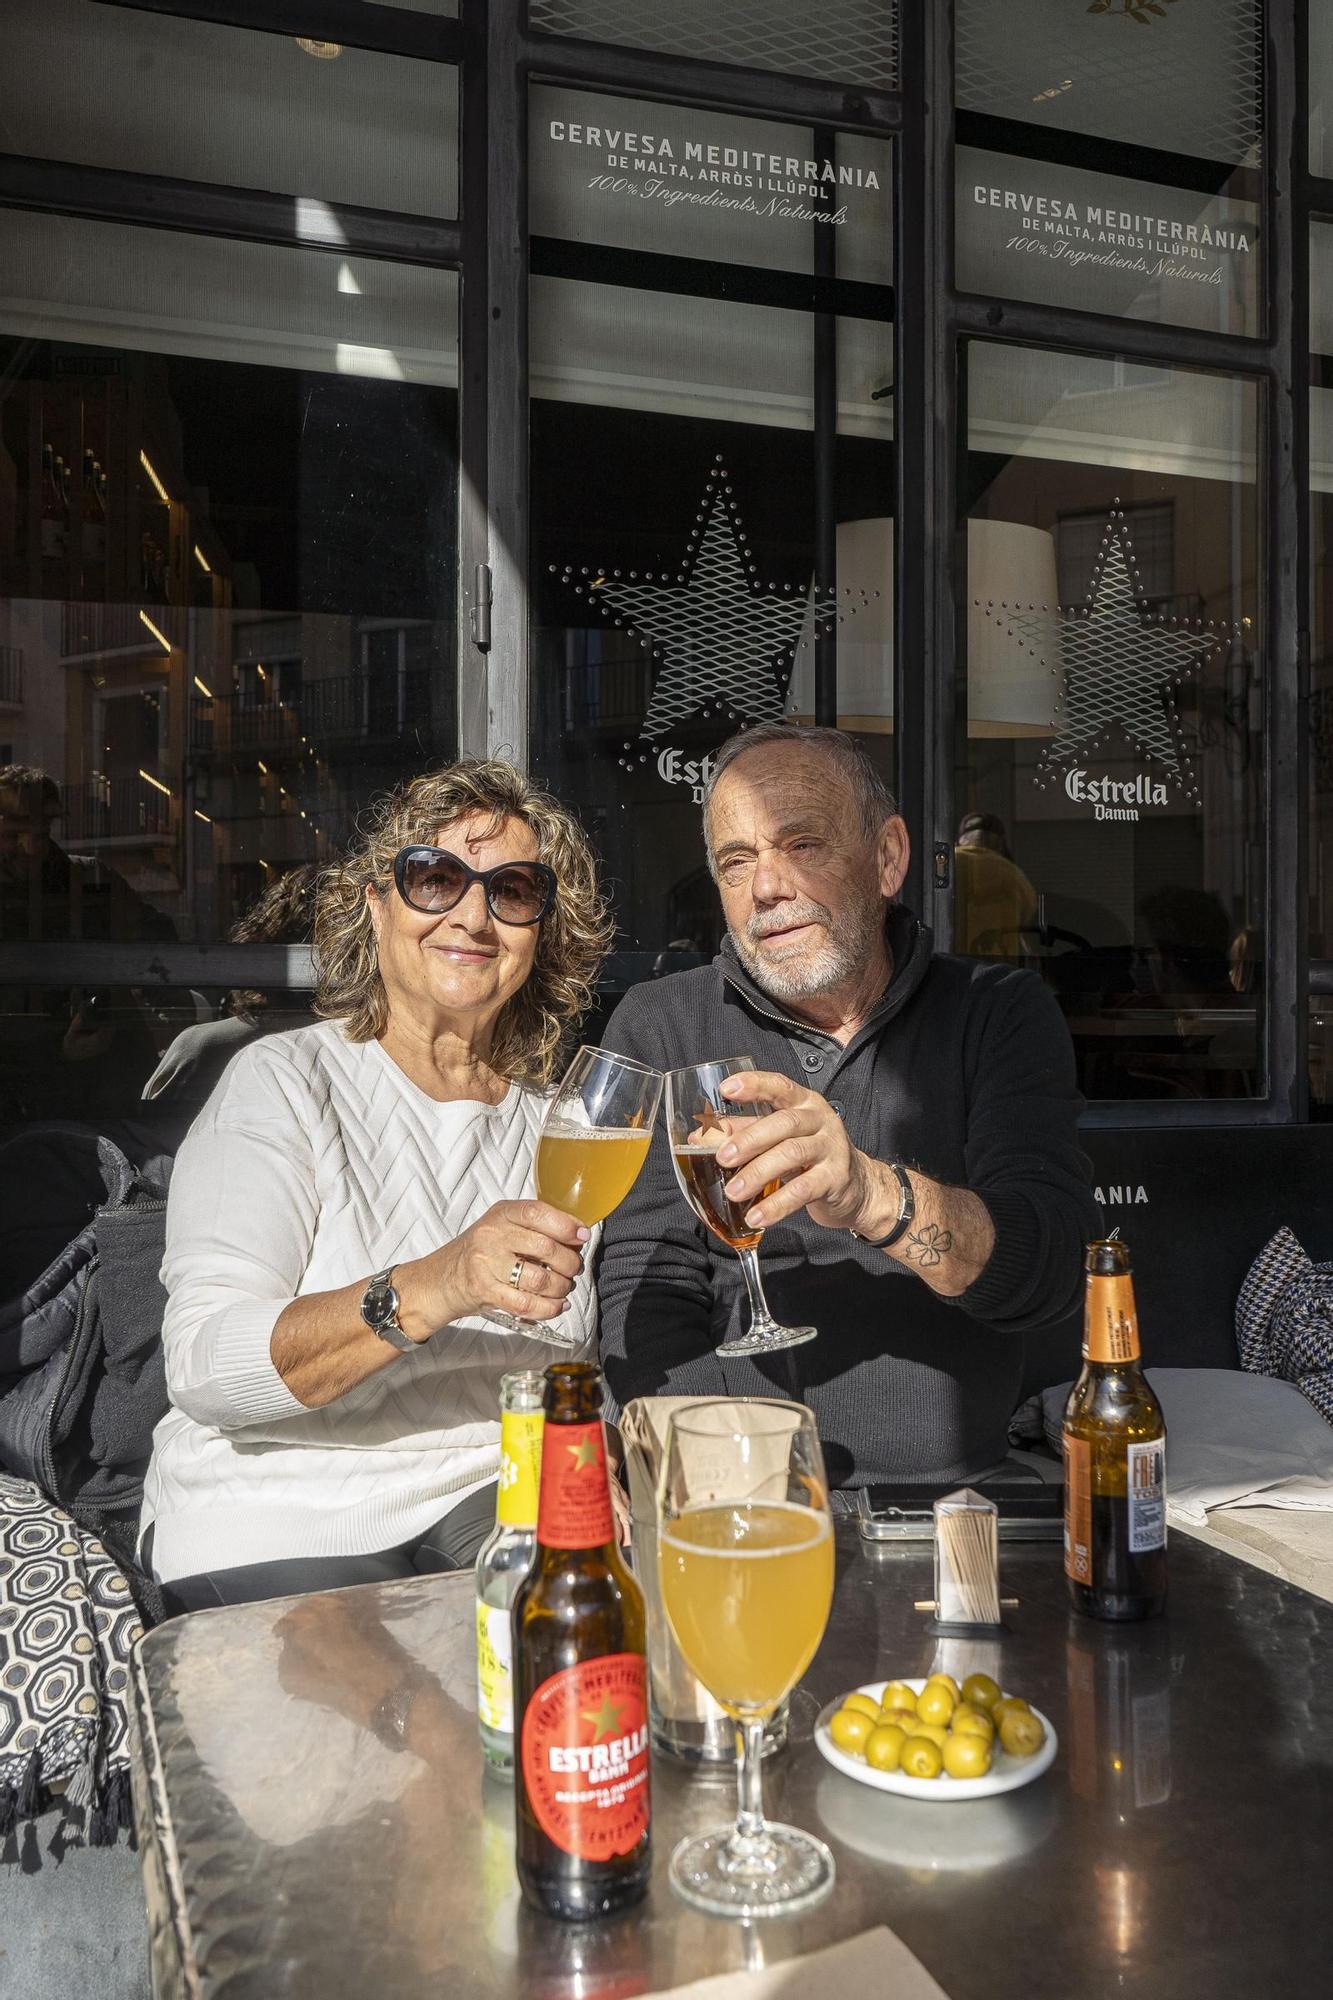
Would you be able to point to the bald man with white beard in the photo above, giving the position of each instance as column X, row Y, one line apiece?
column 934, row 1201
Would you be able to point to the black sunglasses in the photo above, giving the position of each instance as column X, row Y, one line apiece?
column 432, row 880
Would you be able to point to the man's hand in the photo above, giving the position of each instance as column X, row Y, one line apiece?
column 803, row 1143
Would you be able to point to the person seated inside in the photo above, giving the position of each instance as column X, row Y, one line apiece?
column 354, row 1201
column 934, row 1203
column 994, row 904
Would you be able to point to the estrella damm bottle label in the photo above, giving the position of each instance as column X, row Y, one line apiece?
column 1110, row 1322
column 575, row 1509
column 520, row 1467
column 585, row 1756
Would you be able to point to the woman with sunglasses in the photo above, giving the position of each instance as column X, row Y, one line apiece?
column 355, row 1201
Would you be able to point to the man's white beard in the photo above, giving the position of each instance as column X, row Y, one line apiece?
column 834, row 963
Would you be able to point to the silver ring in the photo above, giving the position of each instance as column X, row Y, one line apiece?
column 516, row 1275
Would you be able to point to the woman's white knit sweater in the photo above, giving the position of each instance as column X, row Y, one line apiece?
column 317, row 1162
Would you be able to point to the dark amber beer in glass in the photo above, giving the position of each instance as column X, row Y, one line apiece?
column 703, row 1183
column 580, row 1678
column 1115, row 1456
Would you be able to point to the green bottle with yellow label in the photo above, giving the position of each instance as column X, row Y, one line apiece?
column 505, row 1559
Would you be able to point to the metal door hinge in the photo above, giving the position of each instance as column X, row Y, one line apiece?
column 479, row 617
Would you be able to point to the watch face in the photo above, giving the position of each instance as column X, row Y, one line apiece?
column 380, row 1302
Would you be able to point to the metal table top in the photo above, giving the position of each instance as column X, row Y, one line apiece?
column 1177, row 1849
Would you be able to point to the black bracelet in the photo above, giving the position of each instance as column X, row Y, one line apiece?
column 906, row 1213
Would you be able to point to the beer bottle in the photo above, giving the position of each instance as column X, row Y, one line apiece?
column 505, row 1558
column 1115, row 1456
column 580, row 1679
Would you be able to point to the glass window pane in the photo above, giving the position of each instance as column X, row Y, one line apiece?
column 228, row 492
column 1109, row 759
column 112, row 87
column 1060, row 235
column 695, row 552
column 1163, row 224
column 692, row 183
column 844, row 41
column 1182, row 79
column 1321, row 89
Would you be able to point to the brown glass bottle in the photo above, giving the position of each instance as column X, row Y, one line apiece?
column 1115, row 1455
column 580, row 1678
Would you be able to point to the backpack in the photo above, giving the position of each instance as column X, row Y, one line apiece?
column 82, row 1376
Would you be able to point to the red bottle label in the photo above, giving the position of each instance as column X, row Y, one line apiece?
column 574, row 1507
column 585, row 1756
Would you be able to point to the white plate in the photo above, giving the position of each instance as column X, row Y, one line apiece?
column 1006, row 1774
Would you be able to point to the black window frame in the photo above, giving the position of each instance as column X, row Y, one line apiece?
column 497, row 57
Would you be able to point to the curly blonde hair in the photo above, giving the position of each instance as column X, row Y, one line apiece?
column 542, row 1018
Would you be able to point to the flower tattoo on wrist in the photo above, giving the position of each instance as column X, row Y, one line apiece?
column 930, row 1245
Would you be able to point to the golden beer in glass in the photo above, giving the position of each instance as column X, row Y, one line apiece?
column 748, row 1588
column 745, row 1561
column 587, row 1172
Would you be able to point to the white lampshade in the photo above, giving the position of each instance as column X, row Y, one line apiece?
column 864, row 628
column 1015, row 678
column 1014, row 669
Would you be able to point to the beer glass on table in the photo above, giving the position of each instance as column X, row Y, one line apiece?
column 746, row 1565
column 699, row 1121
column 594, row 1141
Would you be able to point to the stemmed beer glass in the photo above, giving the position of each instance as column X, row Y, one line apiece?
column 699, row 1122
column 746, row 1563
column 594, row 1141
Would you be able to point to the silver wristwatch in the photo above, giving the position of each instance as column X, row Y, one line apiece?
column 379, row 1309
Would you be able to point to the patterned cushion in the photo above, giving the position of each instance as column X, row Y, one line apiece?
column 67, row 1627
column 1284, row 1320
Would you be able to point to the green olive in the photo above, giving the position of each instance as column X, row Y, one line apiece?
column 936, row 1703
column 1021, row 1733
column 966, row 1757
column 921, row 1758
column 972, row 1722
column 849, row 1729
column 897, row 1694
column 884, row 1747
column 981, row 1691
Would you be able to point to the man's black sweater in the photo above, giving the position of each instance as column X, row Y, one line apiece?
column 965, row 1071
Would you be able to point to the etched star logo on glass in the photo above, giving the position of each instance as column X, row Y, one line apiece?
column 720, row 638
column 1120, row 664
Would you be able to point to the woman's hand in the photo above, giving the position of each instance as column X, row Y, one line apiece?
column 474, row 1274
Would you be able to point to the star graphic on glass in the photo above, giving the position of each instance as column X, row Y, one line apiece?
column 720, row 638
column 606, row 1719
column 1122, row 664
column 584, row 1453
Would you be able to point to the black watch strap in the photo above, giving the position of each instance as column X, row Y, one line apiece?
column 906, row 1212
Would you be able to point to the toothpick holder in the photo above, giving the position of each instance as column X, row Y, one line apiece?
column 967, row 1566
